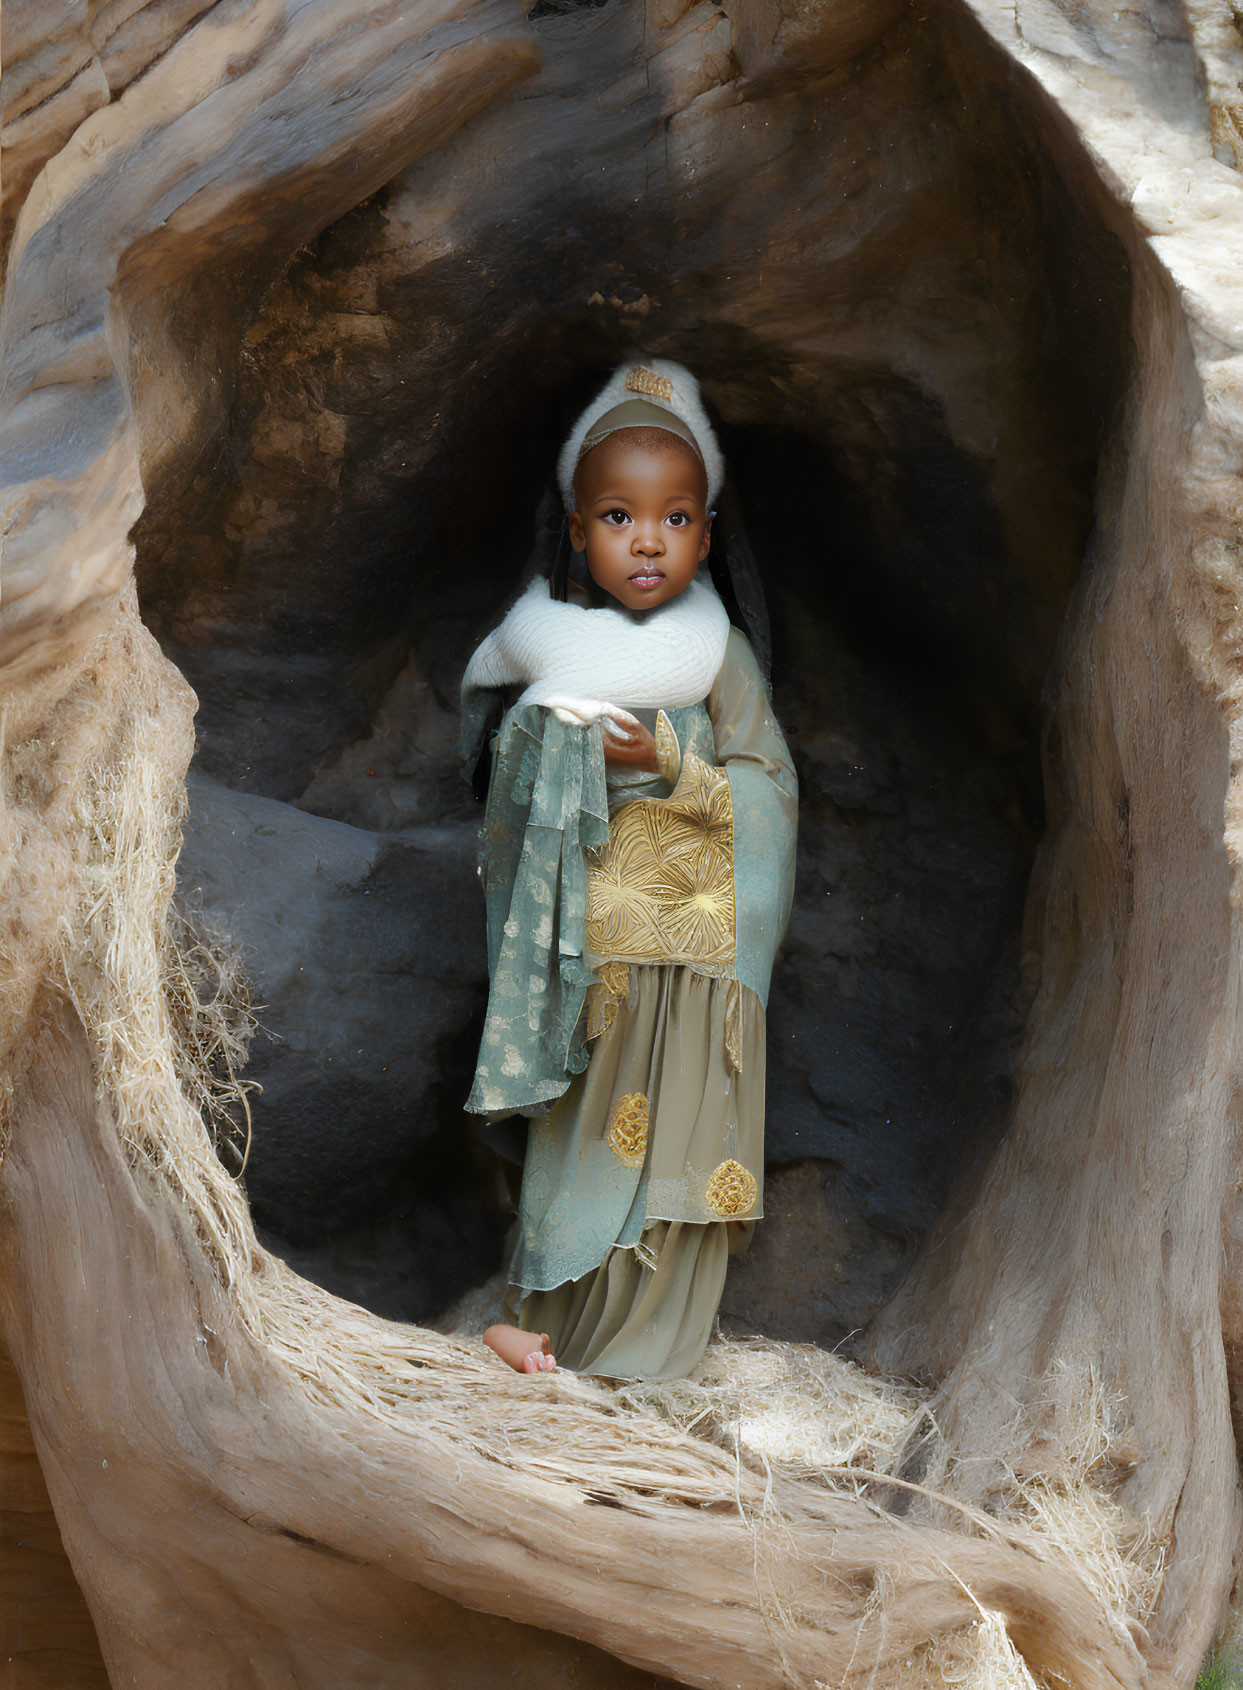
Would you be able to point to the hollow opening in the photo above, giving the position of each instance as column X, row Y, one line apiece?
column 894, row 275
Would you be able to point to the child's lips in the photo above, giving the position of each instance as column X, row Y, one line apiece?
column 646, row 579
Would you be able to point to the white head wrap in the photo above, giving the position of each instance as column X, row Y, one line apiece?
column 656, row 393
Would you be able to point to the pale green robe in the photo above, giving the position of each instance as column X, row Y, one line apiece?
column 632, row 930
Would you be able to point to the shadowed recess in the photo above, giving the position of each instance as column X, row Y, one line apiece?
column 902, row 299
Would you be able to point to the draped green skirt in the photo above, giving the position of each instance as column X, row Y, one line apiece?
column 644, row 1178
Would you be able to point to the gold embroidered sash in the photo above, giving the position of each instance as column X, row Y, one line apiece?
column 662, row 889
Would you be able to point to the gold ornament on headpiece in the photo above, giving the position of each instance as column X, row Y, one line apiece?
column 639, row 380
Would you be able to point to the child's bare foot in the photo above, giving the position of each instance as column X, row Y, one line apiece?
column 526, row 1352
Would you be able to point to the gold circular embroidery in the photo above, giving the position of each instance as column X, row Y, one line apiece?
column 731, row 1189
column 628, row 1129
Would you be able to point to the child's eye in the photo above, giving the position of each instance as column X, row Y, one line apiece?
column 617, row 517
column 679, row 519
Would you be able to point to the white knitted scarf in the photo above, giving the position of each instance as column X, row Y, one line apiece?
column 579, row 661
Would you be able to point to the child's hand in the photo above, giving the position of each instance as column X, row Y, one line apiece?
column 628, row 742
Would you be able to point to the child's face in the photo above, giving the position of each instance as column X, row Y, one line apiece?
column 641, row 516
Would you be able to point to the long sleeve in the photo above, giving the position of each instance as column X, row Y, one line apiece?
column 764, row 795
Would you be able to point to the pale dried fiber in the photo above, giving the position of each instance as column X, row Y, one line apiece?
column 1068, row 1501
column 981, row 1658
column 213, row 1022
column 792, row 1405
column 812, row 1415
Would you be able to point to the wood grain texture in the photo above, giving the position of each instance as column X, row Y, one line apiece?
column 240, row 143
column 47, row 1636
column 1099, row 1226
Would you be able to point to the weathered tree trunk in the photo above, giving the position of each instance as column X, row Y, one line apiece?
column 1096, row 1232
column 259, row 1484
column 331, row 1545
column 44, row 1619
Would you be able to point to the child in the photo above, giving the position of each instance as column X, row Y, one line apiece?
column 639, row 866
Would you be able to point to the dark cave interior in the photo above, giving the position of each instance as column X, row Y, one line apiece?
column 897, row 284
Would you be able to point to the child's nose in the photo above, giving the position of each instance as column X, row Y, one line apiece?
column 649, row 541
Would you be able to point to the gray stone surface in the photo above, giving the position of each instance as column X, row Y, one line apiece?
column 365, row 954
column 897, row 1004
column 815, row 1269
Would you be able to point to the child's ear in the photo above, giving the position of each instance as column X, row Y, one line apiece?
column 705, row 545
column 578, row 534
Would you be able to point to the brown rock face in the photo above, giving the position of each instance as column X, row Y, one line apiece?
column 297, row 309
